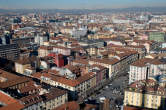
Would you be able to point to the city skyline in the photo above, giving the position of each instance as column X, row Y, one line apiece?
column 82, row 55
column 78, row 4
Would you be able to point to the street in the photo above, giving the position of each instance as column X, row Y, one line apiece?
column 113, row 91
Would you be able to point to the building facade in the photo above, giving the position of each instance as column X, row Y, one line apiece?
column 9, row 51
column 145, row 94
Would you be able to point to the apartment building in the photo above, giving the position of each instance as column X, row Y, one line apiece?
column 101, row 73
column 147, row 94
column 26, row 63
column 140, row 49
column 67, row 29
column 62, row 50
column 10, row 81
column 9, row 51
column 157, row 36
column 117, row 60
column 47, row 101
column 21, row 65
column 21, row 93
column 100, row 36
column 44, row 51
column 65, row 79
column 149, row 45
column 91, row 50
column 145, row 68
column 112, row 64
column 22, row 42
column 79, row 61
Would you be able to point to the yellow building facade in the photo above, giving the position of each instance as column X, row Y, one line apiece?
column 145, row 94
column 20, row 68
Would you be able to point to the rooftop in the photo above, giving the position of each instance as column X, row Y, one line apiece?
column 64, row 80
column 69, row 106
column 106, row 61
column 150, row 86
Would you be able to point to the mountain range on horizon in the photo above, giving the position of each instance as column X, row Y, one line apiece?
column 104, row 10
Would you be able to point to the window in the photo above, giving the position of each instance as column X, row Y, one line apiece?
column 132, row 101
column 137, row 102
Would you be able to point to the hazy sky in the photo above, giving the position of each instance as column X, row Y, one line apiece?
column 73, row 4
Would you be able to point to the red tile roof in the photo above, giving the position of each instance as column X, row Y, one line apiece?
column 106, row 61
column 6, row 99
column 68, row 106
column 46, row 47
column 14, row 82
column 64, row 80
column 13, row 106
